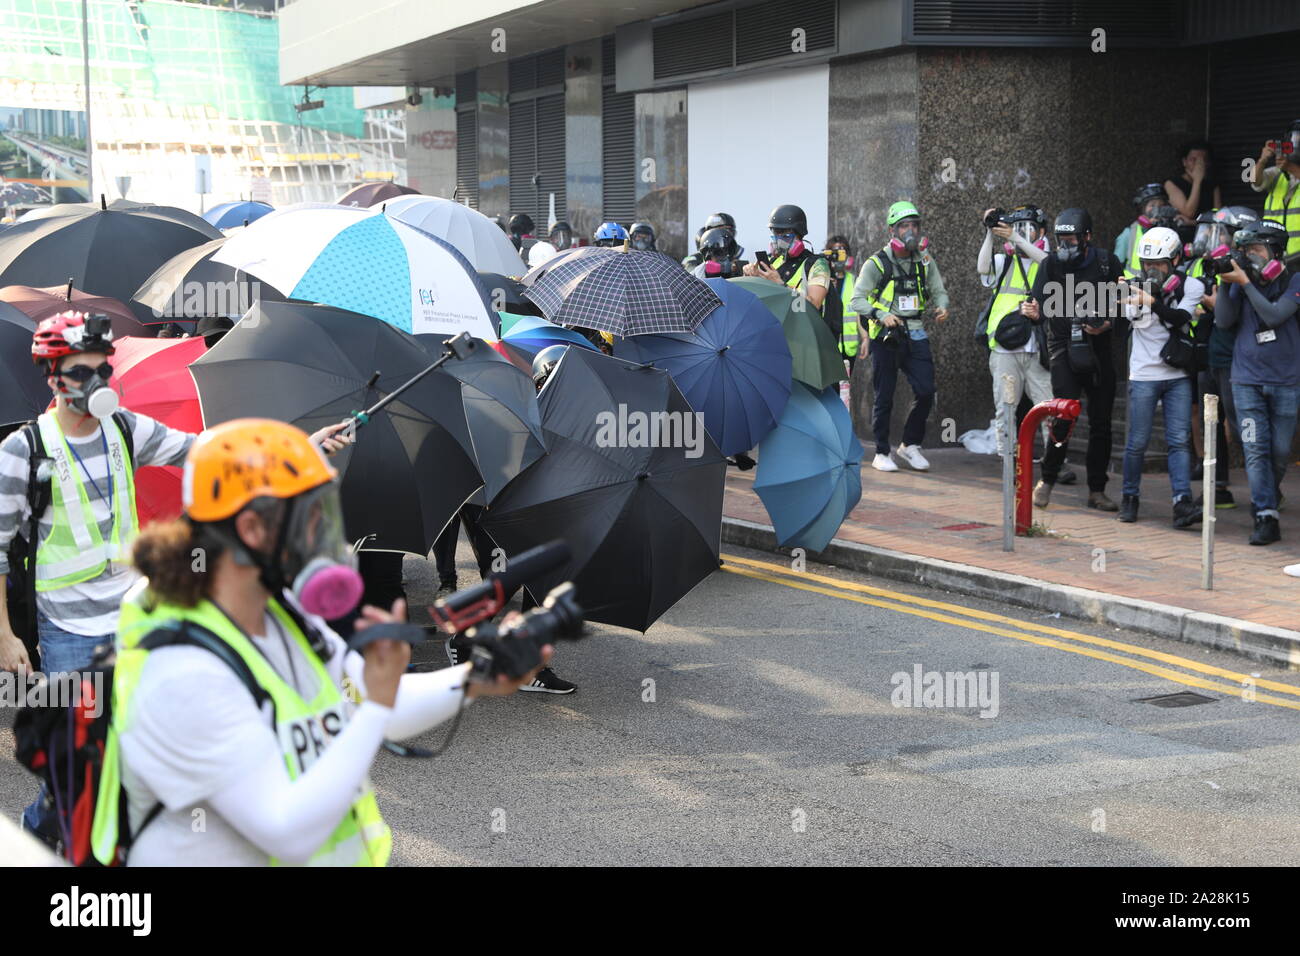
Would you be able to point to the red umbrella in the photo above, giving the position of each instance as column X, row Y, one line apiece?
column 372, row 194
column 153, row 377
column 39, row 304
column 515, row 356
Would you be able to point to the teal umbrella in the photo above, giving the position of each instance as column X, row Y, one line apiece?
column 809, row 468
column 817, row 359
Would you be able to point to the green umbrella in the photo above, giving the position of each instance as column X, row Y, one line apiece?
column 508, row 319
column 817, row 360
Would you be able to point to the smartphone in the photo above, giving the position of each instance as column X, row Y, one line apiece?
column 761, row 256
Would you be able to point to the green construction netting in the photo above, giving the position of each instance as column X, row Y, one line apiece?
column 178, row 53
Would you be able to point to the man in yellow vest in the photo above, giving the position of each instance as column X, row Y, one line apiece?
column 893, row 290
column 203, row 647
column 793, row 261
column 1017, row 344
column 1280, row 185
column 839, row 254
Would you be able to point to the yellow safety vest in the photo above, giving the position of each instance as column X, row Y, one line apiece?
column 1280, row 204
column 1134, row 260
column 1010, row 294
column 75, row 551
column 884, row 297
column 303, row 728
column 849, row 330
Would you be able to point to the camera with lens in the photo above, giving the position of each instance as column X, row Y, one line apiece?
column 514, row 648
column 994, row 217
column 892, row 336
column 1223, row 263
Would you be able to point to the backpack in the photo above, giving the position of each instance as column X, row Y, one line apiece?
column 62, row 740
column 21, row 582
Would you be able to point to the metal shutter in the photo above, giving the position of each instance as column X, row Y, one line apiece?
column 618, row 133
column 1043, row 22
column 523, row 156
column 550, row 157
column 766, row 30
column 1248, row 105
column 467, row 156
column 694, row 46
column 607, row 55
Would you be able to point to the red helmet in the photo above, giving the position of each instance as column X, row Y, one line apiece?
column 70, row 333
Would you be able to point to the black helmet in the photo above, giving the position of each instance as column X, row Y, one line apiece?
column 1165, row 215
column 718, row 242
column 1028, row 214
column 1269, row 232
column 521, row 224
column 1072, row 222
column 1231, row 217
column 645, row 229
column 1149, row 191
column 544, row 362
column 788, row 218
column 719, row 219
column 561, row 235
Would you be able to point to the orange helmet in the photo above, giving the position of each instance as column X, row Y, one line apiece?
column 234, row 462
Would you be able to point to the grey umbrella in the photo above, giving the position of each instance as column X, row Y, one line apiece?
column 623, row 293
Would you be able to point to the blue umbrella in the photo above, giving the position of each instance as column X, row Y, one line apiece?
column 531, row 334
column 808, row 469
column 734, row 368
column 228, row 215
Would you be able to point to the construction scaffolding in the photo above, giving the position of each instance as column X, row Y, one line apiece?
column 172, row 80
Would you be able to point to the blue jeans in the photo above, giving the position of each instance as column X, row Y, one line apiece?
column 1266, row 419
column 61, row 651
column 1176, row 397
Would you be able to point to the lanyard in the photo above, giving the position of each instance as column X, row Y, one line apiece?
column 107, row 464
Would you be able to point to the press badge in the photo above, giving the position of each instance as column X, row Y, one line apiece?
column 907, row 303
column 1268, row 335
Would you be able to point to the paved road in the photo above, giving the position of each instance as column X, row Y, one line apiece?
column 772, row 737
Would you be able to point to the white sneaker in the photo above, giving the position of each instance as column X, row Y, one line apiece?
column 1293, row 570
column 884, row 463
column 912, row 455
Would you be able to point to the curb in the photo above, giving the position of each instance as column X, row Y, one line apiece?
column 1257, row 641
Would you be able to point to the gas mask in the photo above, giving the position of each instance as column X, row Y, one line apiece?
column 312, row 558
column 787, row 244
column 1026, row 230
column 1208, row 236
column 907, row 238
column 642, row 243
column 720, row 266
column 561, row 239
column 1069, row 249
column 90, row 393
column 1264, row 268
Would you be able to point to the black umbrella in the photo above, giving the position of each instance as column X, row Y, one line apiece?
column 24, row 393
column 190, row 285
column 642, row 514
column 623, row 293
column 107, row 249
column 412, row 466
column 507, row 294
column 501, row 412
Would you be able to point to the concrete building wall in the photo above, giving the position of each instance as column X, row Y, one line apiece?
column 431, row 146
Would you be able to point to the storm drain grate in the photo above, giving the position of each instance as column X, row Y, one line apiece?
column 1184, row 699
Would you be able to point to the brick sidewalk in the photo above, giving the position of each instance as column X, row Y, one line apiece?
column 932, row 514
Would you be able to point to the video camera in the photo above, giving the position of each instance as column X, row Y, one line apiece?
column 512, row 648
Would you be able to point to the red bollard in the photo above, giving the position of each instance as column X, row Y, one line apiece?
column 1065, row 408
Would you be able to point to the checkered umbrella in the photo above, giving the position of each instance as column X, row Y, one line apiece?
column 623, row 293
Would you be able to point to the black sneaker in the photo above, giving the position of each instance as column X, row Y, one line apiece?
column 458, row 649
column 1128, row 509
column 1223, row 498
column 1067, row 477
column 1186, row 513
column 1266, row 530
column 744, row 463
column 546, row 682
column 445, row 589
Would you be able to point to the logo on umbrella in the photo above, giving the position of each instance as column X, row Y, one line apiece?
column 428, row 295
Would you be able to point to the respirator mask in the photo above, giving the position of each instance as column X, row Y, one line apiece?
column 1069, row 249
column 786, row 244
column 1265, row 268
column 907, row 239
column 89, row 392
column 311, row 557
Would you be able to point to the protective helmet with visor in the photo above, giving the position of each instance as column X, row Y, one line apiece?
column 84, row 388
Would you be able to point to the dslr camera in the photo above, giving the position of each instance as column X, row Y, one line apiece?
column 994, row 217
column 515, row 648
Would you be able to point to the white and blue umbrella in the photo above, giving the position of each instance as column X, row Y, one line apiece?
column 478, row 238
column 365, row 261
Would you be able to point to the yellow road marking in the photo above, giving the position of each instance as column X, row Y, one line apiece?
column 1185, row 679
column 1023, row 625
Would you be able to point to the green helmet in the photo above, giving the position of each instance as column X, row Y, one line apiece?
column 902, row 210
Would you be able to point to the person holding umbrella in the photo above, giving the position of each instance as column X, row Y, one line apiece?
column 67, row 486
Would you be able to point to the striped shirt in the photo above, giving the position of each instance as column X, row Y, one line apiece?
column 91, row 607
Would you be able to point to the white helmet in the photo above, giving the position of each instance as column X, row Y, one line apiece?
column 1159, row 243
column 543, row 251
